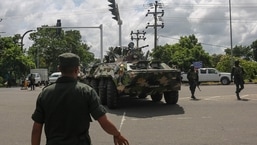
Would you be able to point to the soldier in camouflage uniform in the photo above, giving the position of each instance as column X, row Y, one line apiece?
column 237, row 74
column 65, row 109
column 193, row 79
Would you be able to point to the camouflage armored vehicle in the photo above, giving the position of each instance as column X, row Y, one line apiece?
column 128, row 72
column 88, row 76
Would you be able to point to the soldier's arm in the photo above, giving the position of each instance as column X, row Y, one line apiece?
column 36, row 133
column 188, row 76
column 109, row 127
column 232, row 73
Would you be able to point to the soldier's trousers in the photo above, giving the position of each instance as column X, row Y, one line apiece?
column 192, row 87
column 239, row 85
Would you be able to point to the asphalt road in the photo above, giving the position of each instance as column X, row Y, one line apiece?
column 217, row 118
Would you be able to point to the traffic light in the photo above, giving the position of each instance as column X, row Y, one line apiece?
column 113, row 3
column 115, row 18
column 114, row 9
column 58, row 30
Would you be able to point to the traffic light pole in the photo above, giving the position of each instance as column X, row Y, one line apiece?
column 116, row 16
column 99, row 27
column 120, row 23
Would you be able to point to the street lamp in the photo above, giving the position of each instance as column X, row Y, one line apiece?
column 23, row 37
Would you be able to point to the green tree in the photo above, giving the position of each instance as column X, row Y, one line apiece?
column 216, row 59
column 244, row 52
column 250, row 67
column 183, row 54
column 224, row 64
column 47, row 46
column 12, row 61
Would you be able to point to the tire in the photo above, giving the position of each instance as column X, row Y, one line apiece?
column 171, row 97
column 112, row 95
column 156, row 97
column 225, row 81
column 142, row 96
column 37, row 84
column 94, row 85
column 102, row 91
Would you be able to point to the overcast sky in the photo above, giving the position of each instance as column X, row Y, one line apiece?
column 207, row 19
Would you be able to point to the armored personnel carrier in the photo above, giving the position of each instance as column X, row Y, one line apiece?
column 126, row 71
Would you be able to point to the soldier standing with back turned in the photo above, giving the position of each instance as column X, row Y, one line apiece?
column 237, row 74
column 65, row 109
column 193, row 79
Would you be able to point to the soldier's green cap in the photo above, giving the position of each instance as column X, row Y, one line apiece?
column 69, row 60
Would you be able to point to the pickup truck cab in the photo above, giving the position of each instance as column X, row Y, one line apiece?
column 210, row 75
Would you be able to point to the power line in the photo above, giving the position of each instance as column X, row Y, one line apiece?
column 206, row 20
column 221, row 46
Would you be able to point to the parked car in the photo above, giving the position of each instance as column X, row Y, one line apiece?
column 54, row 76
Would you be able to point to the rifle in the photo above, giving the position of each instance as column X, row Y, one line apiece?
column 197, row 85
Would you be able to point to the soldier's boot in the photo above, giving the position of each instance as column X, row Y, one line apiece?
column 238, row 97
column 193, row 97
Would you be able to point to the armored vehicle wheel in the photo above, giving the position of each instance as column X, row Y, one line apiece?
column 94, row 84
column 171, row 97
column 156, row 97
column 142, row 96
column 102, row 91
column 112, row 95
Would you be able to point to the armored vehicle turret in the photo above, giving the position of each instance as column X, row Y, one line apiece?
column 126, row 71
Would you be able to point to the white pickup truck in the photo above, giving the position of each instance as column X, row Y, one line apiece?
column 210, row 75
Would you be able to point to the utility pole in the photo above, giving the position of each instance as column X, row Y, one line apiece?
column 139, row 36
column 116, row 16
column 155, row 14
column 231, row 39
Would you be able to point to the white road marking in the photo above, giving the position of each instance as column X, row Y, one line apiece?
column 252, row 97
column 210, row 98
column 122, row 120
column 182, row 118
column 244, row 96
column 206, row 117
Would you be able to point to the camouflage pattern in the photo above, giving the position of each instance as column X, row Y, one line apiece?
column 88, row 75
column 127, row 72
column 133, row 80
